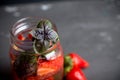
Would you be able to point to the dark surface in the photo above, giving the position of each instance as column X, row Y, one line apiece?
column 89, row 28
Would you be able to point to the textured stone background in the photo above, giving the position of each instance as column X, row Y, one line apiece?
column 90, row 28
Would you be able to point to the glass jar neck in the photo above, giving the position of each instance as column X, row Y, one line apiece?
column 23, row 25
column 21, row 29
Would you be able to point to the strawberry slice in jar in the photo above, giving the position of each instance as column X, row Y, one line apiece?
column 49, row 68
column 21, row 37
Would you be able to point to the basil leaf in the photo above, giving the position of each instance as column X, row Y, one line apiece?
column 45, row 22
column 25, row 65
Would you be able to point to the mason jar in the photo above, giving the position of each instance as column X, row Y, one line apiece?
column 35, row 50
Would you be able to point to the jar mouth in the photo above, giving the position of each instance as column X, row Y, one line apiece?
column 27, row 23
column 43, row 44
column 23, row 24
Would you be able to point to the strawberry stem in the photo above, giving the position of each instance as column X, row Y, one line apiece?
column 68, row 64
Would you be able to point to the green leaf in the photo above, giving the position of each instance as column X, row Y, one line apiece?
column 44, row 35
column 46, row 23
column 39, row 47
column 25, row 65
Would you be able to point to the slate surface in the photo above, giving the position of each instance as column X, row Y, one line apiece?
column 90, row 28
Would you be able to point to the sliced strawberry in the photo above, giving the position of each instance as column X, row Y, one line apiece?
column 30, row 36
column 32, row 78
column 49, row 68
column 43, row 71
column 50, row 78
column 21, row 37
column 38, row 78
column 12, row 56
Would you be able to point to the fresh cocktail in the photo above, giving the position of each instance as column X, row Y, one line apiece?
column 35, row 50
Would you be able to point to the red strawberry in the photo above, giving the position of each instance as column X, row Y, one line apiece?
column 48, row 68
column 75, row 74
column 21, row 37
column 78, row 61
column 74, row 60
column 30, row 36
column 50, row 78
column 38, row 78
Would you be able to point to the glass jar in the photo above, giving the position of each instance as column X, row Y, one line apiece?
column 26, row 63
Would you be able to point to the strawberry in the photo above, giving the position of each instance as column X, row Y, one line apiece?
column 74, row 60
column 30, row 36
column 72, row 64
column 38, row 78
column 47, row 68
column 50, row 78
column 21, row 37
column 75, row 74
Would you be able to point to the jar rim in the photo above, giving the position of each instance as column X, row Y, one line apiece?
column 27, row 23
column 23, row 22
column 21, row 25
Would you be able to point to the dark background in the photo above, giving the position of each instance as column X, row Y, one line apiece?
column 89, row 27
column 4, row 2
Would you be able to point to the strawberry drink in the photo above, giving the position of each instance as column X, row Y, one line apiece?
column 35, row 50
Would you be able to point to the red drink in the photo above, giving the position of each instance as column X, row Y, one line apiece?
column 33, row 58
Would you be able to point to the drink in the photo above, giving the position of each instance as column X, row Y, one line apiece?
column 35, row 50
